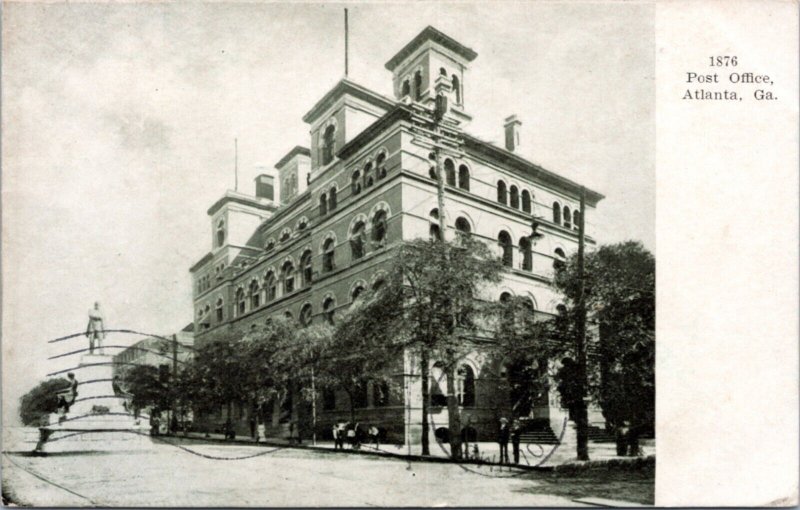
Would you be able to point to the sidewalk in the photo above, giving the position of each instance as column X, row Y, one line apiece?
column 532, row 456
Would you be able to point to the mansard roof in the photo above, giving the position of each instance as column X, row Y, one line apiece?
column 346, row 86
column 431, row 34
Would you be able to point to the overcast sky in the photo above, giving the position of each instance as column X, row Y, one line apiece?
column 119, row 121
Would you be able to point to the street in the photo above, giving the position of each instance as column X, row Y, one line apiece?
column 194, row 475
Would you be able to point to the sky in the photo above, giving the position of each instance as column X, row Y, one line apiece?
column 119, row 123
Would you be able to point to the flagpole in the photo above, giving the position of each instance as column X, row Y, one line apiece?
column 236, row 164
column 346, row 45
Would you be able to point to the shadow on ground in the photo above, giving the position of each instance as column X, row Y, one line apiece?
column 636, row 486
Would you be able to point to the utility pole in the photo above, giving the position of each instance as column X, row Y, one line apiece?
column 174, row 380
column 583, row 419
column 435, row 135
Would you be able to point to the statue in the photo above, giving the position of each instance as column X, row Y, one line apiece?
column 95, row 330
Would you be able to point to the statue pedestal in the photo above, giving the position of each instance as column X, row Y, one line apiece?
column 98, row 420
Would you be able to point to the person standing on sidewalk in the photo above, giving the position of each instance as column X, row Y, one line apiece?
column 516, row 433
column 502, row 438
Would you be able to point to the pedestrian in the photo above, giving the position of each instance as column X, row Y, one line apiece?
column 516, row 435
column 261, row 431
column 502, row 438
column 338, row 436
column 358, row 436
column 465, row 435
column 351, row 435
column 253, row 427
column 374, row 435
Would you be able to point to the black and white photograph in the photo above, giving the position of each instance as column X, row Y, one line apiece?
column 332, row 254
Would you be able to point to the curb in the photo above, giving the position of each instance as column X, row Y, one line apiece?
column 415, row 458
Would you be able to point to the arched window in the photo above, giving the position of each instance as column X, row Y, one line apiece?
column 305, row 315
column 556, row 213
column 380, row 393
column 368, row 180
column 332, row 199
column 255, row 295
column 355, row 183
column 270, row 284
column 450, row 172
column 507, row 247
column 357, row 241
column 323, row 205
column 287, row 275
column 526, row 201
column 379, row 283
column 328, row 141
column 442, row 71
column 379, row 228
column 307, row 268
column 418, row 84
column 328, row 309
column 327, row 255
column 356, row 293
column 505, row 297
column 463, row 177
column 465, row 386
column 514, row 197
column 380, row 165
column 433, row 232
column 457, row 89
column 576, row 219
column 501, row 192
column 462, row 227
column 527, row 254
column 221, row 233
column 567, row 217
column 285, row 235
column 294, row 184
column 559, row 259
column 241, row 305
column 406, row 89
column 220, row 309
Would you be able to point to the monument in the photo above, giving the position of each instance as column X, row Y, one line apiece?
column 96, row 416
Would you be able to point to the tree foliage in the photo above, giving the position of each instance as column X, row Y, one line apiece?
column 41, row 400
column 430, row 304
column 619, row 286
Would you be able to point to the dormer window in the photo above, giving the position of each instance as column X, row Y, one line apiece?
column 328, row 141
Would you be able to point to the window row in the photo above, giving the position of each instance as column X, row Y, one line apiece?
column 563, row 216
column 513, row 198
column 369, row 174
column 406, row 88
column 462, row 181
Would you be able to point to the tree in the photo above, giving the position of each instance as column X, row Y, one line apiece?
column 619, row 285
column 41, row 400
column 429, row 303
column 148, row 385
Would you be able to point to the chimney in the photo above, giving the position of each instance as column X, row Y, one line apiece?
column 512, row 127
column 265, row 187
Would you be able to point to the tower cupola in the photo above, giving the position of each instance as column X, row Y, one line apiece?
column 429, row 57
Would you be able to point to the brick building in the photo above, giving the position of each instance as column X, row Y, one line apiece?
column 322, row 226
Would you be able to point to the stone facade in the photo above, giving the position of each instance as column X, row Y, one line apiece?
column 369, row 176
